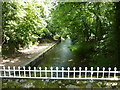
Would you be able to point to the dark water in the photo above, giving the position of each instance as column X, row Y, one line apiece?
column 61, row 56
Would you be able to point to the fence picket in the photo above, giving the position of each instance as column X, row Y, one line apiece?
column 62, row 72
column 14, row 71
column 97, row 72
column 80, row 72
column 9, row 71
column 29, row 71
column 109, row 72
column 24, row 71
column 103, row 72
column 19, row 71
column 74, row 72
column 0, row 72
column 40, row 71
column 91, row 72
column 51, row 68
column 115, row 72
column 45, row 71
column 34, row 71
column 4, row 71
column 56, row 72
column 68, row 72
column 85, row 72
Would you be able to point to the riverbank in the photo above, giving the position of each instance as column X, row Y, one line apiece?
column 24, row 56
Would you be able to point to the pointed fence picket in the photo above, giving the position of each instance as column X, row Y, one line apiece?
column 60, row 73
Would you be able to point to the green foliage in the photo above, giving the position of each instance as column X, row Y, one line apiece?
column 82, row 49
column 90, row 26
column 23, row 23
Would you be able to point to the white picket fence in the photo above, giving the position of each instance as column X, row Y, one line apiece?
column 60, row 73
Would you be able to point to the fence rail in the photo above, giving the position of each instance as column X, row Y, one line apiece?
column 60, row 73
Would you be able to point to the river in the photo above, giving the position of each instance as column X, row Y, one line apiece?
column 60, row 56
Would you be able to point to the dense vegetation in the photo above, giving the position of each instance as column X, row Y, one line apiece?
column 24, row 23
column 93, row 27
column 64, row 84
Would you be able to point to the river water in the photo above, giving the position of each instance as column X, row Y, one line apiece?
column 60, row 56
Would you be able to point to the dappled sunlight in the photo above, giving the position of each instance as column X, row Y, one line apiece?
column 15, row 60
column 33, row 49
column 70, row 60
column 25, row 55
column 10, row 60
column 5, row 61
column 56, row 58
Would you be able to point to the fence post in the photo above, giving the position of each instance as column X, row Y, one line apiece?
column 51, row 68
column 91, row 72
column 62, row 72
column 57, row 72
column 29, row 71
column 40, row 71
column 74, row 72
column 9, row 71
column 115, row 72
column 34, row 71
column 109, row 72
column 68, row 72
column 24, row 71
column 80, row 72
column 97, row 72
column 45, row 71
column 19, row 70
column 85, row 72
column 103, row 72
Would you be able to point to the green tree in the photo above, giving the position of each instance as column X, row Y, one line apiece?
column 90, row 26
column 23, row 23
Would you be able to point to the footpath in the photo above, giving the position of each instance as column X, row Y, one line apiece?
column 24, row 56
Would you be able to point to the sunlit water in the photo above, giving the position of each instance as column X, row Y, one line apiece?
column 60, row 56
